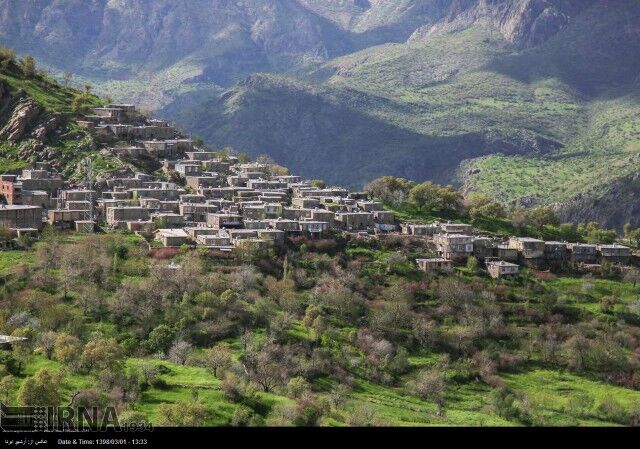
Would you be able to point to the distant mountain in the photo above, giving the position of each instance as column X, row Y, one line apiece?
column 531, row 101
column 156, row 51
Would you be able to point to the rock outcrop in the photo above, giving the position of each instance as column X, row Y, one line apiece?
column 46, row 123
column 526, row 23
column 25, row 112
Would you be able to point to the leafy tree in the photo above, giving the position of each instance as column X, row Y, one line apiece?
column 28, row 66
column 160, row 339
column 472, row 264
column 7, row 384
column 186, row 413
column 318, row 183
column 481, row 205
column 67, row 349
column 101, row 354
column 297, row 387
column 43, row 388
column 390, row 189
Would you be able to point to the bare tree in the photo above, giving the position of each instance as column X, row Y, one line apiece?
column 218, row 358
column 180, row 351
column 430, row 386
column 48, row 343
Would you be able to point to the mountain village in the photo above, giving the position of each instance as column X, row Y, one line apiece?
column 222, row 204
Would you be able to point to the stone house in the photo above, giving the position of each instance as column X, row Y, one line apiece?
column 354, row 221
column 122, row 214
column 323, row 215
column 288, row 226
column 187, row 168
column 214, row 241
column 273, row 235
column 20, row 217
column 528, row 247
column 66, row 218
column 583, row 253
column 253, row 212
column 504, row 252
column 314, row 228
column 455, row 247
column 614, row 253
column 370, row 206
column 456, row 228
column 556, row 253
column 305, row 202
column 171, row 237
column 435, row 264
column 292, row 213
column 256, row 224
column 384, row 220
column 201, row 182
column 223, row 220
column 423, row 230
column 167, row 220
column 502, row 269
column 483, row 247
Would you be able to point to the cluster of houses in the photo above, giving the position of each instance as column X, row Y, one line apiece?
column 456, row 242
column 218, row 202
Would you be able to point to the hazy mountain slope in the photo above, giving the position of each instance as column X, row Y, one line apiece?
column 550, row 110
column 434, row 102
column 155, row 51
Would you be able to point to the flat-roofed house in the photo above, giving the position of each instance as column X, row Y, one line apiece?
column 19, row 216
column 171, row 237
column 273, row 210
column 273, row 235
column 214, row 241
column 314, row 228
column 502, row 269
column 529, row 247
column 456, row 228
column 220, row 221
column 66, row 218
column 384, row 220
column 424, row 230
column 121, row 214
column 456, row 247
column 483, row 247
column 556, row 253
column 323, row 215
column 354, row 221
column 584, row 253
column 305, row 202
column 504, row 252
column 294, row 213
column 370, row 206
column 288, row 226
column 614, row 253
column 188, row 168
column 435, row 264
